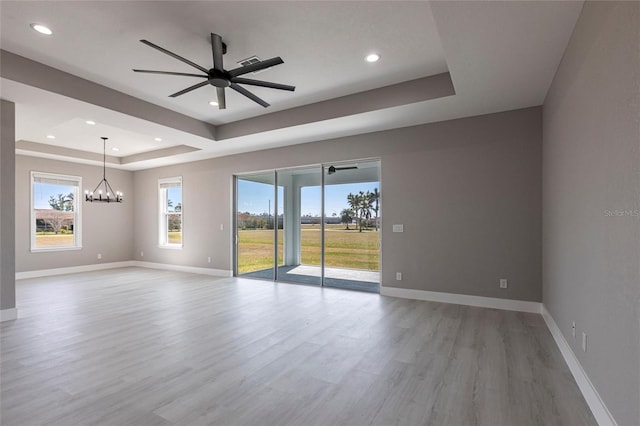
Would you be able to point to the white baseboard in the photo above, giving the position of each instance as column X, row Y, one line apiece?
column 72, row 269
column 128, row 263
column 596, row 404
column 181, row 268
column 463, row 299
column 8, row 314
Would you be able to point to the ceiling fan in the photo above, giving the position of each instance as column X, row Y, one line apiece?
column 333, row 169
column 221, row 78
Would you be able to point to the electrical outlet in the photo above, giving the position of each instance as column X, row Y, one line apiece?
column 584, row 342
column 222, row 226
column 209, row 259
column 399, row 276
column 503, row 283
column 99, row 256
column 141, row 254
column 573, row 329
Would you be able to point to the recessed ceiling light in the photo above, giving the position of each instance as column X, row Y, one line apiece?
column 90, row 122
column 51, row 137
column 42, row 29
column 372, row 57
column 115, row 148
column 158, row 139
column 213, row 103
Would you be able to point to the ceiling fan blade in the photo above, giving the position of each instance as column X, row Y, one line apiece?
column 188, row 89
column 173, row 55
column 332, row 169
column 248, row 94
column 267, row 63
column 268, row 84
column 172, row 73
column 216, row 46
column 222, row 100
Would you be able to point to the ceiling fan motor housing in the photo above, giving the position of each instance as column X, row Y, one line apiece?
column 219, row 78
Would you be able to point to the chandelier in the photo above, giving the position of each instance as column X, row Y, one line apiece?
column 108, row 196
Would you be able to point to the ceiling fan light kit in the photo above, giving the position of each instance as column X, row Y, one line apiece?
column 220, row 78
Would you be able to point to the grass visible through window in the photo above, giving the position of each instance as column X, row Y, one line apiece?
column 343, row 249
column 174, row 237
column 44, row 240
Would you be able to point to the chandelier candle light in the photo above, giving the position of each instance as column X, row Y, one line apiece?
column 109, row 195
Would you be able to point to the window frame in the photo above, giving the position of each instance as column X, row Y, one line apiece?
column 77, row 210
column 163, row 214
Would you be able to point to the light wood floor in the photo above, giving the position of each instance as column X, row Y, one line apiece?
column 142, row 347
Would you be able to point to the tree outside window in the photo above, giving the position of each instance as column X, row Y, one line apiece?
column 55, row 214
column 170, row 196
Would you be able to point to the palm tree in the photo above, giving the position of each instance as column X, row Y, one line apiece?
column 362, row 207
column 354, row 204
column 367, row 206
column 375, row 201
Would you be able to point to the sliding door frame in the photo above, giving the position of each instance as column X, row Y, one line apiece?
column 322, row 225
column 275, row 225
column 276, row 220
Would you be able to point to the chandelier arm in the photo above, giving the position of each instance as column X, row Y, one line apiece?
column 98, row 187
column 108, row 186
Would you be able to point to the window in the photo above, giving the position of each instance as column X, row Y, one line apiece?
column 55, row 212
column 170, row 196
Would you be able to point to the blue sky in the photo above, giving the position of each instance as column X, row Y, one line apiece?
column 254, row 197
column 175, row 196
column 42, row 192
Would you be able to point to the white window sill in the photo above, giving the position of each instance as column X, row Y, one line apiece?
column 171, row 246
column 49, row 249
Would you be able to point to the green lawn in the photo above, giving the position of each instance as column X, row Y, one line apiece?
column 346, row 249
column 255, row 249
column 175, row 237
column 53, row 240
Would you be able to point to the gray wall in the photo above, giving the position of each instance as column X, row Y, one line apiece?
column 106, row 228
column 591, row 135
column 468, row 192
column 7, row 211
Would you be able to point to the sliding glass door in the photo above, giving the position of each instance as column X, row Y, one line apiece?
column 302, row 208
column 352, row 231
column 255, row 237
column 315, row 225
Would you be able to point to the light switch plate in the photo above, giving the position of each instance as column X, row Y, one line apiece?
column 398, row 228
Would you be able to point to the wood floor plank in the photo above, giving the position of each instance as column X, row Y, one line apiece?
column 135, row 346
